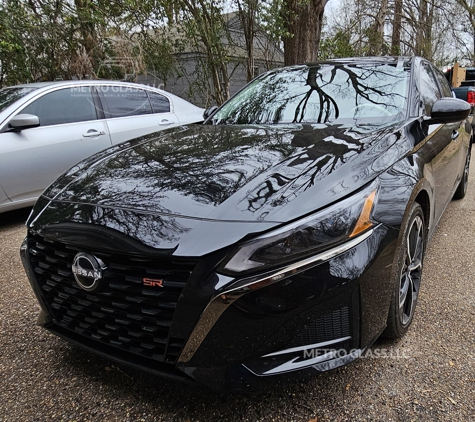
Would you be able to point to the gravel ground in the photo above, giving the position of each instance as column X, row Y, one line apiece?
column 430, row 374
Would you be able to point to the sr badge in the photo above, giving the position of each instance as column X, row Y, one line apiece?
column 87, row 270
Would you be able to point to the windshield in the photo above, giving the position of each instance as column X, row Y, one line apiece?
column 10, row 95
column 320, row 94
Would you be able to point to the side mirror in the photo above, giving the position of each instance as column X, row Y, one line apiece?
column 209, row 111
column 24, row 121
column 449, row 110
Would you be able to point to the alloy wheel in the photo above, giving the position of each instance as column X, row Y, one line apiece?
column 411, row 271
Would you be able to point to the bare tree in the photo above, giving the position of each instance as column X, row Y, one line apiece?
column 468, row 7
column 396, row 30
column 376, row 38
column 247, row 13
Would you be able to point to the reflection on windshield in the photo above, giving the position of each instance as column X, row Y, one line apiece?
column 320, row 94
column 10, row 95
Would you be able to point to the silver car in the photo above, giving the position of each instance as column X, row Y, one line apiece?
column 46, row 128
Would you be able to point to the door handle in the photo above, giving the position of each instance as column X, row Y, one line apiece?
column 455, row 135
column 165, row 122
column 91, row 133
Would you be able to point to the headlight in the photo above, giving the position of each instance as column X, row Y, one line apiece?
column 305, row 237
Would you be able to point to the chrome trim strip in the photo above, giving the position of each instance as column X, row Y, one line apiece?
column 327, row 363
column 308, row 346
column 221, row 301
column 291, row 365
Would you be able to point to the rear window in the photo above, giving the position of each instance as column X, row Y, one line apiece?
column 160, row 103
column 125, row 101
column 9, row 95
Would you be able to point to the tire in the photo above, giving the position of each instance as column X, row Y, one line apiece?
column 462, row 187
column 408, row 274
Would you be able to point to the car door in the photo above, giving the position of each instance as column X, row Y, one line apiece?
column 133, row 112
column 444, row 142
column 69, row 131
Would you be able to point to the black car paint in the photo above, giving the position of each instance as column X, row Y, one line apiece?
column 236, row 182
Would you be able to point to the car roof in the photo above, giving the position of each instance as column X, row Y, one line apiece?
column 366, row 60
column 78, row 82
column 44, row 86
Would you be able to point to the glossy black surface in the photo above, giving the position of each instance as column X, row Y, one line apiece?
column 449, row 110
column 203, row 171
column 198, row 192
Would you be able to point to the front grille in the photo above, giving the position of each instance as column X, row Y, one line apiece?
column 122, row 313
column 329, row 327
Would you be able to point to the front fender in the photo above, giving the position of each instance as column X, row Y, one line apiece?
column 401, row 185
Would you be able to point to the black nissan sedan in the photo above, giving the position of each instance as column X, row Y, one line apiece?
column 280, row 238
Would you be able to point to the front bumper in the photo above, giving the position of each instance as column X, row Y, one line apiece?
column 237, row 333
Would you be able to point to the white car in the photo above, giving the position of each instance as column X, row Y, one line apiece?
column 46, row 128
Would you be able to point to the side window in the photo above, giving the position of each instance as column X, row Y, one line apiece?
column 69, row 105
column 443, row 83
column 124, row 101
column 429, row 89
column 160, row 103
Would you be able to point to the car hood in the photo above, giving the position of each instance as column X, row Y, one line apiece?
column 247, row 178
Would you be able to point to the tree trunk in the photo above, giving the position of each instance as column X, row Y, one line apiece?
column 427, row 52
column 247, row 16
column 396, row 36
column 376, row 43
column 88, row 32
column 420, row 31
column 303, row 24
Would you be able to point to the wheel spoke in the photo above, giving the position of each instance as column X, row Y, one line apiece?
column 404, row 290
column 415, row 265
column 418, row 249
column 408, row 252
column 417, row 239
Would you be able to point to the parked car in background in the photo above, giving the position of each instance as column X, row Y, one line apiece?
column 45, row 128
column 466, row 92
column 462, row 81
column 281, row 238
